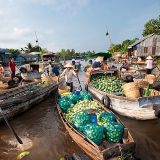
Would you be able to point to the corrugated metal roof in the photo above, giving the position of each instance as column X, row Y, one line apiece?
column 140, row 40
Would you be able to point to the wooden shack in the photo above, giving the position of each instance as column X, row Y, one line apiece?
column 147, row 46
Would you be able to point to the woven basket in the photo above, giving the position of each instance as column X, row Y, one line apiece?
column 49, row 79
column 150, row 78
column 153, row 92
column 131, row 90
column 141, row 83
column 63, row 89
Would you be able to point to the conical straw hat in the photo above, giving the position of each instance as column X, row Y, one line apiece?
column 149, row 57
column 99, row 59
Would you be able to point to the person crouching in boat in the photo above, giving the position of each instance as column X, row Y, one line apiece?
column 97, row 64
column 125, row 66
column 68, row 73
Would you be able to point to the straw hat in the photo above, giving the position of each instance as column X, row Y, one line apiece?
column 149, row 57
column 99, row 59
column 68, row 65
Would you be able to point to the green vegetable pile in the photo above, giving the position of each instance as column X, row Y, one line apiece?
column 81, row 106
column 109, row 84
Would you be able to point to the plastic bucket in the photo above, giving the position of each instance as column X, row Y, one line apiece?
column 77, row 92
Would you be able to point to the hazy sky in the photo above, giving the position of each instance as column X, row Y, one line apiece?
column 77, row 24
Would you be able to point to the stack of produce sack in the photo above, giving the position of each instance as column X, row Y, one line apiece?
column 95, row 125
column 109, row 84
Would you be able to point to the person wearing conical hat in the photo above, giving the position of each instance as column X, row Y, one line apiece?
column 68, row 74
column 149, row 62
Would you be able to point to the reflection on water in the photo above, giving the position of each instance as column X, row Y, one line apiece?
column 43, row 128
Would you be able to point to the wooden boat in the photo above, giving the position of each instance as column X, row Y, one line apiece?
column 104, row 152
column 17, row 100
column 142, row 108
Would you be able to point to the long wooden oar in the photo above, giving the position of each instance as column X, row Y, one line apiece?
column 79, row 82
column 10, row 127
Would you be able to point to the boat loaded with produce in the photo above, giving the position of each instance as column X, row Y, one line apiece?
column 135, row 99
column 93, row 127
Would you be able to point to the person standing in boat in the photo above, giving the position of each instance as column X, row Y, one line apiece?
column 149, row 62
column 12, row 67
column 55, row 70
column 69, row 73
column 1, row 72
column 50, row 73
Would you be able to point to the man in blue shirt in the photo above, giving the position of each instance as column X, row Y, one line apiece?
column 97, row 63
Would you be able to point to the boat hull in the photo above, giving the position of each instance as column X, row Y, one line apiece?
column 140, row 109
column 14, row 106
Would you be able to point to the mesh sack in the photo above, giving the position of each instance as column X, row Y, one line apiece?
column 73, row 98
column 64, row 103
column 114, row 132
column 85, row 95
column 106, row 117
column 80, row 119
column 94, row 132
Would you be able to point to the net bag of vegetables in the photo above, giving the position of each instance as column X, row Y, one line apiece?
column 73, row 98
column 85, row 95
column 64, row 103
column 106, row 117
column 80, row 119
column 114, row 132
column 94, row 132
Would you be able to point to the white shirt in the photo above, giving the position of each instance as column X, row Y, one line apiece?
column 149, row 63
column 68, row 74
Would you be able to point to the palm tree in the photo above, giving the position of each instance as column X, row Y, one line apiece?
column 29, row 48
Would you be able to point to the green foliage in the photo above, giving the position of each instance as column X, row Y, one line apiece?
column 152, row 26
column 89, row 54
column 30, row 48
column 66, row 54
column 123, row 47
column 15, row 52
column 71, row 53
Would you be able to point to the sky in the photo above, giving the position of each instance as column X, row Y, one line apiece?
column 73, row 24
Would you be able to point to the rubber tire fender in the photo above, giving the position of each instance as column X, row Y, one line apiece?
column 106, row 101
column 157, row 111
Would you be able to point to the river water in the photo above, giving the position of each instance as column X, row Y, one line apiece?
column 42, row 127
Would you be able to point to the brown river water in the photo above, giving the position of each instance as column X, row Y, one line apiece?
column 42, row 126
